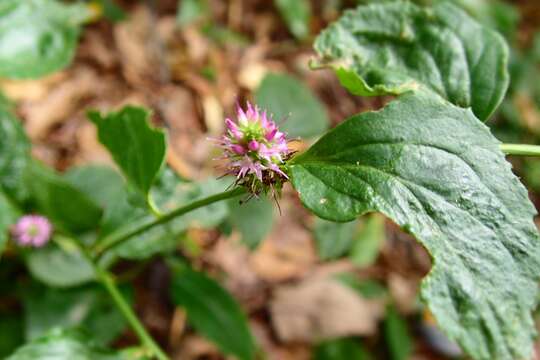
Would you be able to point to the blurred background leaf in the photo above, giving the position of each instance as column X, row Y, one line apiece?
column 213, row 312
column 294, row 107
column 297, row 16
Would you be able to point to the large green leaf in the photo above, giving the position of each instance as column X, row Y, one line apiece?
column 14, row 153
column 437, row 172
column 38, row 37
column 89, row 308
column 62, row 202
column 63, row 345
column 293, row 105
column 395, row 47
column 213, row 312
column 136, row 146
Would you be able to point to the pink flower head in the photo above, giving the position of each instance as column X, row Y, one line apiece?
column 255, row 149
column 32, row 230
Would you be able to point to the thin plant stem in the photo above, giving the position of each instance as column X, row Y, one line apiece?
column 116, row 238
column 108, row 282
column 520, row 149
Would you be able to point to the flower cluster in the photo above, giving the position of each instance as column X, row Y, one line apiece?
column 32, row 230
column 255, row 150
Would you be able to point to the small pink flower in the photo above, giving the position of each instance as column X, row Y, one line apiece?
column 32, row 230
column 255, row 149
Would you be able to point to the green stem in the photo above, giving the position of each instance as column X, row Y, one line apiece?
column 107, row 280
column 117, row 238
column 520, row 149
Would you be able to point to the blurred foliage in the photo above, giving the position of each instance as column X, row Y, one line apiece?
column 396, row 333
column 297, row 16
column 294, row 106
column 341, row 349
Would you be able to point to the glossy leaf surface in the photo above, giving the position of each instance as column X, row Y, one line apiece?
column 456, row 194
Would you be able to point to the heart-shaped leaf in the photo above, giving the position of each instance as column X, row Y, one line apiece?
column 396, row 47
column 38, row 37
column 137, row 147
column 437, row 172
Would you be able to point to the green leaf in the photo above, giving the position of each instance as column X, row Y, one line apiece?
column 136, row 146
column 113, row 196
column 190, row 11
column 297, row 15
column 496, row 14
column 253, row 219
column 38, row 37
column 341, row 349
column 88, row 308
column 57, row 267
column 11, row 334
column 437, row 172
column 397, row 335
column 369, row 289
column 63, row 203
column 225, row 36
column 213, row 312
column 334, row 239
column 100, row 183
column 368, row 241
column 293, row 104
column 63, row 345
column 8, row 217
column 396, row 47
column 15, row 153
column 112, row 11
